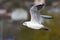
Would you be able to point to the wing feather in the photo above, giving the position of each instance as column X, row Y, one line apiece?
column 34, row 14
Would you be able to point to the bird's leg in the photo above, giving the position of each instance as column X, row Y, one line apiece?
column 45, row 28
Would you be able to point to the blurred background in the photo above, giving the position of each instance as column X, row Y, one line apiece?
column 14, row 12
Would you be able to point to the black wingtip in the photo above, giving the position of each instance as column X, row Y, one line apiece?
column 48, row 18
column 40, row 6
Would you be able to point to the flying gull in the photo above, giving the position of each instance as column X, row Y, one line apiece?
column 36, row 19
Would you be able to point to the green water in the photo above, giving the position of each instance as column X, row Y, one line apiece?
column 26, row 33
column 54, row 34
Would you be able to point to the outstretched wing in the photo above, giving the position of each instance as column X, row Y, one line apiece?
column 44, row 17
column 34, row 12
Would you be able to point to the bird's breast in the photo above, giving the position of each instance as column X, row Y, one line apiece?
column 34, row 25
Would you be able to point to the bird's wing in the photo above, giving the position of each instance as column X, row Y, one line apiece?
column 41, row 20
column 34, row 12
column 44, row 17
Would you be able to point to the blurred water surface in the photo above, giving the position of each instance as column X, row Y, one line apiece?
column 20, row 32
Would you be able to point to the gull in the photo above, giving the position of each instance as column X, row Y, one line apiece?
column 36, row 19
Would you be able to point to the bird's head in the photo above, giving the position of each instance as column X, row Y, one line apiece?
column 24, row 24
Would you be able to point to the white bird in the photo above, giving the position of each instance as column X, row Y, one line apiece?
column 36, row 19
